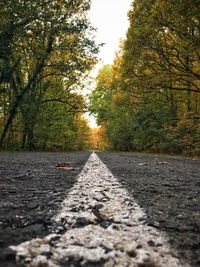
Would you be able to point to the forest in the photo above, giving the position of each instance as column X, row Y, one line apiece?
column 147, row 100
column 46, row 51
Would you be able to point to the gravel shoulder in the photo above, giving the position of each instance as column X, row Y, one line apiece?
column 32, row 190
column 169, row 191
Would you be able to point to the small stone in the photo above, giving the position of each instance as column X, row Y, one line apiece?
column 151, row 243
column 115, row 227
column 126, row 217
column 54, row 239
column 47, row 254
column 105, row 224
column 143, row 163
column 162, row 162
column 70, row 221
column 82, row 221
column 142, row 220
column 98, row 206
column 105, row 199
column 106, row 189
column 132, row 253
column 60, row 229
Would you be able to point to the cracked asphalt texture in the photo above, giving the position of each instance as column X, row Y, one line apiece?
column 169, row 191
column 32, row 190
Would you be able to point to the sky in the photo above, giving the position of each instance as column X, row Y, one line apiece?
column 109, row 17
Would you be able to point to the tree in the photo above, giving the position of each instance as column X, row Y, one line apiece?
column 161, row 60
column 162, row 47
column 47, row 40
column 111, row 106
column 101, row 97
column 152, row 99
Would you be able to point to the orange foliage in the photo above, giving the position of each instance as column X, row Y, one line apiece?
column 98, row 139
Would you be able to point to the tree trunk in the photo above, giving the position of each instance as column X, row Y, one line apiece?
column 24, row 138
column 31, row 139
column 31, row 84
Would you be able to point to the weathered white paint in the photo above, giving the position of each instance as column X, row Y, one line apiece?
column 103, row 225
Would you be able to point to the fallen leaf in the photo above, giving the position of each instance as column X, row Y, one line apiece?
column 63, row 164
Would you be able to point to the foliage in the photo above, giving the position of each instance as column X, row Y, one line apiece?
column 46, row 50
column 98, row 138
column 150, row 99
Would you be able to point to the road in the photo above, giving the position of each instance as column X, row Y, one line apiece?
column 149, row 208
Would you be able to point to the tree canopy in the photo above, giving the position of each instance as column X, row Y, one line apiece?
column 150, row 98
column 46, row 50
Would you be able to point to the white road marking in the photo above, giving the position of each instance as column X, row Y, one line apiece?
column 103, row 225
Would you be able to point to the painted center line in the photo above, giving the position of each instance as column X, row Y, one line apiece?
column 99, row 224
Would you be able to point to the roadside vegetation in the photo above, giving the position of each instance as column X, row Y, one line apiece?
column 46, row 52
column 149, row 99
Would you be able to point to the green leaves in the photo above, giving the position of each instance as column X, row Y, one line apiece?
column 161, row 44
column 42, row 41
column 154, row 91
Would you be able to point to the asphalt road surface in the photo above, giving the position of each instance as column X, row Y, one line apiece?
column 169, row 191
column 33, row 191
